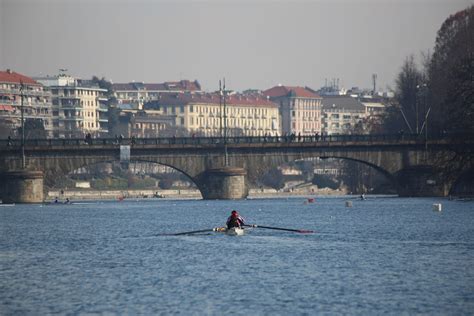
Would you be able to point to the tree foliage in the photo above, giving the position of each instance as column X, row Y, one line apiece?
column 113, row 116
column 104, row 84
column 325, row 181
column 34, row 129
column 274, row 179
column 405, row 113
column 442, row 88
column 451, row 75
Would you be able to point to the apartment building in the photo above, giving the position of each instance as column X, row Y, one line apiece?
column 17, row 91
column 137, row 94
column 209, row 114
column 300, row 109
column 341, row 114
column 79, row 107
column 149, row 124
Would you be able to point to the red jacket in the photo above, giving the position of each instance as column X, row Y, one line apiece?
column 235, row 221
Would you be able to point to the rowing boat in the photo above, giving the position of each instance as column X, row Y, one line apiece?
column 234, row 231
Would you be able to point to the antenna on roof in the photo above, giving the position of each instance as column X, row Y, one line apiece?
column 374, row 81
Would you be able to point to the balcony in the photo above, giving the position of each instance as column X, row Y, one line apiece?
column 25, row 92
column 74, row 119
column 64, row 96
column 71, row 106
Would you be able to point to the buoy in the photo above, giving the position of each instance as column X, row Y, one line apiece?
column 348, row 203
column 437, row 207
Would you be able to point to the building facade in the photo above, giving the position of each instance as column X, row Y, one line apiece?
column 341, row 115
column 79, row 107
column 149, row 124
column 137, row 94
column 17, row 91
column 211, row 114
column 300, row 109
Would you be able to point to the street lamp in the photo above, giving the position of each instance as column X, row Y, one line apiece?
column 226, row 156
column 423, row 91
column 225, row 114
column 220, row 108
column 222, row 102
column 23, row 160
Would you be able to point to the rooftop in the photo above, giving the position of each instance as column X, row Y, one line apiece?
column 288, row 91
column 182, row 85
column 9, row 76
column 212, row 98
column 342, row 102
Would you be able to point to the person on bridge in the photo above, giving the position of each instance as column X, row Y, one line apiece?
column 235, row 220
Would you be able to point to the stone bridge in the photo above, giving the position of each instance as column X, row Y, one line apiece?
column 222, row 169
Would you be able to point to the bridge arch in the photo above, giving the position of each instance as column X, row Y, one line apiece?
column 278, row 161
column 381, row 170
column 50, row 178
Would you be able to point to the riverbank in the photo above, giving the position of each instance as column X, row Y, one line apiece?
column 62, row 195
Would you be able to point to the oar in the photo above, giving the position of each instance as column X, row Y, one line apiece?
column 191, row 232
column 303, row 231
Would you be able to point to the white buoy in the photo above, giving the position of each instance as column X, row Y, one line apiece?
column 348, row 203
column 437, row 207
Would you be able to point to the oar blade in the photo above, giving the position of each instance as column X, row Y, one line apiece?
column 188, row 233
column 305, row 231
column 302, row 231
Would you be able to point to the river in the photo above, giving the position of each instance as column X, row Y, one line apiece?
column 384, row 255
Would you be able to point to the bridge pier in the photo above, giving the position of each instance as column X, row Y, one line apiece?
column 421, row 181
column 21, row 187
column 226, row 183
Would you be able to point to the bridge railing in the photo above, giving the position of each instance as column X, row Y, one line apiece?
column 67, row 142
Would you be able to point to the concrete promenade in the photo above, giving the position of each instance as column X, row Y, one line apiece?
column 75, row 195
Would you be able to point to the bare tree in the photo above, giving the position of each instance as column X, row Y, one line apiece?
column 451, row 75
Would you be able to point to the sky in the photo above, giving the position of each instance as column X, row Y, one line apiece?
column 252, row 44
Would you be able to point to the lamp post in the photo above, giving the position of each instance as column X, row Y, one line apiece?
column 220, row 109
column 427, row 113
column 23, row 160
column 226, row 157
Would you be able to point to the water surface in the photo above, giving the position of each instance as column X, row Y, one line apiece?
column 383, row 255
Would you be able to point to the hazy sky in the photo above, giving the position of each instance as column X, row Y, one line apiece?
column 253, row 44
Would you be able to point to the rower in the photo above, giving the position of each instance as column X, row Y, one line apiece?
column 235, row 220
